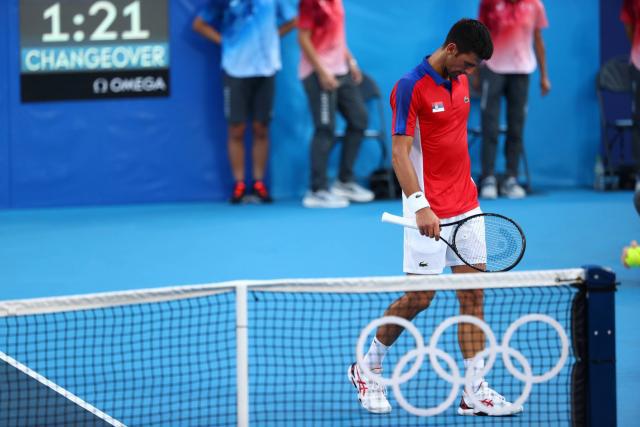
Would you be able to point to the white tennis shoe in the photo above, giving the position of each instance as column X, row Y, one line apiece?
column 352, row 191
column 489, row 398
column 324, row 199
column 371, row 394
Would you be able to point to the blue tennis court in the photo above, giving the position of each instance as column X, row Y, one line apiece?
column 54, row 252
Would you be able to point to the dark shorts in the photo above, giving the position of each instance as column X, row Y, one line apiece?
column 248, row 98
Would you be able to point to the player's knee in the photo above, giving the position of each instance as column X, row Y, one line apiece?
column 419, row 300
column 471, row 298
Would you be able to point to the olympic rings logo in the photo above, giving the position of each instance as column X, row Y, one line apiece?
column 398, row 378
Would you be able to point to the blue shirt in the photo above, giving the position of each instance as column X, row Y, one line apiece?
column 249, row 29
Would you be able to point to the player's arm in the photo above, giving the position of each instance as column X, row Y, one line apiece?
column 427, row 221
column 538, row 46
column 205, row 30
column 285, row 28
column 327, row 80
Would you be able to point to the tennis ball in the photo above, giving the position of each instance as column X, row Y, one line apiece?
column 633, row 257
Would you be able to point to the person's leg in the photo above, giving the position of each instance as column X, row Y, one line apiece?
column 517, row 89
column 407, row 306
column 492, row 90
column 236, row 150
column 352, row 107
column 517, row 93
column 421, row 256
column 323, row 109
column 236, row 114
column 260, row 149
column 470, row 337
column 262, row 111
column 354, row 110
column 371, row 393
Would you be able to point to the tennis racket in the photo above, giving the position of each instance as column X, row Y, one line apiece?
column 488, row 238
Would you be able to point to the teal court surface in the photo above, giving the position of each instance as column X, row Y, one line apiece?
column 58, row 252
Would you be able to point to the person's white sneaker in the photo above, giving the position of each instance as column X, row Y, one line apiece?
column 489, row 188
column 371, row 394
column 352, row 191
column 489, row 399
column 324, row 199
column 511, row 189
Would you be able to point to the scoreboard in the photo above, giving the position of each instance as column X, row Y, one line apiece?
column 88, row 49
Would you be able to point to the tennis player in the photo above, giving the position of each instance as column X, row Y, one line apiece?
column 430, row 157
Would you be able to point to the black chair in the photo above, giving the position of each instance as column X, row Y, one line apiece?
column 614, row 77
column 383, row 180
column 371, row 94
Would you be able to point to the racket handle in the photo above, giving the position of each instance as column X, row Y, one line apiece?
column 399, row 220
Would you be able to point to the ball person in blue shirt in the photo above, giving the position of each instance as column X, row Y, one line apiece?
column 249, row 33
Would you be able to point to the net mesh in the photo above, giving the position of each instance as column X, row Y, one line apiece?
column 173, row 362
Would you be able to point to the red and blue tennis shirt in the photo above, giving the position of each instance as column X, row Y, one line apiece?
column 434, row 111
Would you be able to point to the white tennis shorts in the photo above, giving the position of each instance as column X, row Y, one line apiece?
column 424, row 255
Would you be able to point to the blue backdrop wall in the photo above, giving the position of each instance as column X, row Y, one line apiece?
column 173, row 149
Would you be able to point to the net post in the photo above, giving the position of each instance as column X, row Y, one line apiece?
column 601, row 346
column 242, row 356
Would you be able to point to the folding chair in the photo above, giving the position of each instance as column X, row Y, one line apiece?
column 614, row 77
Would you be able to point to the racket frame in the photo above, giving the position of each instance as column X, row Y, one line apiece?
column 411, row 223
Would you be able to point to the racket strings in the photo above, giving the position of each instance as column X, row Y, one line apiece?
column 492, row 240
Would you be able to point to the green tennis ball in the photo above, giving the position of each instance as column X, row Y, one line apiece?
column 633, row 257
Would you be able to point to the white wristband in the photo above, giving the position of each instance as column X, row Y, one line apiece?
column 417, row 201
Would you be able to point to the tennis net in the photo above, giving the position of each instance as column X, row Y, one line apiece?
column 276, row 353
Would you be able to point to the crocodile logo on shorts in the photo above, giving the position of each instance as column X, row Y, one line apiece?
column 423, row 264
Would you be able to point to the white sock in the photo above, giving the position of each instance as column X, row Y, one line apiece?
column 375, row 355
column 477, row 367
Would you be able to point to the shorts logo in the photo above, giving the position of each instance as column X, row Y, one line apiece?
column 466, row 99
column 437, row 107
column 423, row 264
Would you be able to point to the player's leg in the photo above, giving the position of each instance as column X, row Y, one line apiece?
column 236, row 113
column 323, row 106
column 372, row 394
column 492, row 90
column 516, row 92
column 262, row 112
column 422, row 255
column 471, row 338
column 352, row 107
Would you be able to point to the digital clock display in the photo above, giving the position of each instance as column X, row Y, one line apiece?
column 91, row 49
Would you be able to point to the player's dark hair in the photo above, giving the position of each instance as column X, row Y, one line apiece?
column 471, row 35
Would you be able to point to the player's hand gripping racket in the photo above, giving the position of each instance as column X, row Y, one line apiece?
column 487, row 238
